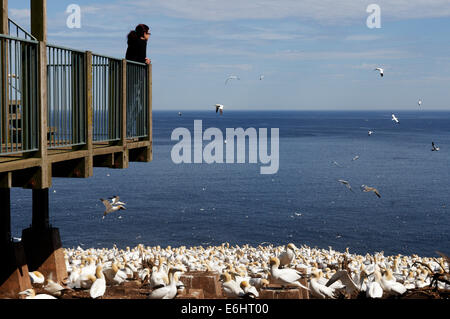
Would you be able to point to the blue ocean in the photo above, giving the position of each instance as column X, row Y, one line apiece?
column 192, row 204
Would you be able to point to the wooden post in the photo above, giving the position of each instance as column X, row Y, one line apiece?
column 121, row 159
column 39, row 20
column 4, row 17
column 88, row 161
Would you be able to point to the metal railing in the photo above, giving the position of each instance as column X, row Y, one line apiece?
column 66, row 89
column 106, row 98
column 17, row 31
column 19, row 124
column 137, row 100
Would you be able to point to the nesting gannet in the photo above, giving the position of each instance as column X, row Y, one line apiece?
column 369, row 132
column 113, row 275
column 110, row 208
column 287, row 256
column 374, row 290
column 395, row 119
column 319, row 290
column 434, row 147
column 346, row 183
column 258, row 283
column 232, row 77
column 230, row 287
column 286, row 276
column 98, row 288
column 249, row 290
column 388, row 283
column 219, row 107
column 381, row 71
column 36, row 277
column 54, row 288
column 31, row 294
column 366, row 189
column 169, row 291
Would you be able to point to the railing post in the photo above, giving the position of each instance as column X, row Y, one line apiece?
column 4, row 17
column 149, row 114
column 89, row 162
column 121, row 160
column 3, row 72
column 39, row 19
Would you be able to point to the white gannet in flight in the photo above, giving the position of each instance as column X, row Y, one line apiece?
column 232, row 77
column 261, row 77
column 179, row 113
column 115, row 200
column 347, row 184
column 434, row 147
column 110, row 208
column 219, row 107
column 381, row 71
column 420, row 102
column 355, row 158
column 369, row 132
column 395, row 119
column 366, row 189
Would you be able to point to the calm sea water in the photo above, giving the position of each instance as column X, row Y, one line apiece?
column 208, row 204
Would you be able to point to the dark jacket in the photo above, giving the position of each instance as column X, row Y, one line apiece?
column 137, row 50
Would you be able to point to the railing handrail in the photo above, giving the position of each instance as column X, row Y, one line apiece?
column 106, row 56
column 27, row 34
column 64, row 48
column 5, row 36
column 137, row 63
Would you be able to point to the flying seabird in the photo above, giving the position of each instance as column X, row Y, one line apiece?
column 179, row 113
column 115, row 200
column 355, row 158
column 231, row 77
column 434, row 147
column 219, row 107
column 420, row 102
column 110, row 208
column 370, row 133
column 347, row 184
column 395, row 119
column 366, row 189
column 261, row 77
column 381, row 71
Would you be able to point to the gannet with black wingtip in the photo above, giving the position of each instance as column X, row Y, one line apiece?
column 346, row 183
column 110, row 208
column 355, row 158
column 284, row 277
column 420, row 102
column 219, row 107
column 381, row 71
column 115, row 200
column 395, row 119
column 287, row 256
column 434, row 147
column 319, row 290
column 366, row 189
column 343, row 276
column 98, row 288
column 169, row 291
column 31, row 294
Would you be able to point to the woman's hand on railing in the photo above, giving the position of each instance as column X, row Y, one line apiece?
column 148, row 61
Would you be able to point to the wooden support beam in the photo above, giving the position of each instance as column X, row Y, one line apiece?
column 5, row 180
column 39, row 20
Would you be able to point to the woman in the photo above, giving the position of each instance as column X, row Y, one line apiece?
column 137, row 44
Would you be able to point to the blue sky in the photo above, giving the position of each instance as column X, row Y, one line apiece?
column 314, row 54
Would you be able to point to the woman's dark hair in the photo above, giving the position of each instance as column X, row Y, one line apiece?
column 139, row 32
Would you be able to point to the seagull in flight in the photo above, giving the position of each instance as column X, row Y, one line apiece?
column 381, row 71
column 395, row 119
column 434, row 147
column 347, row 184
column 366, row 189
column 232, row 77
column 219, row 107
column 110, row 208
